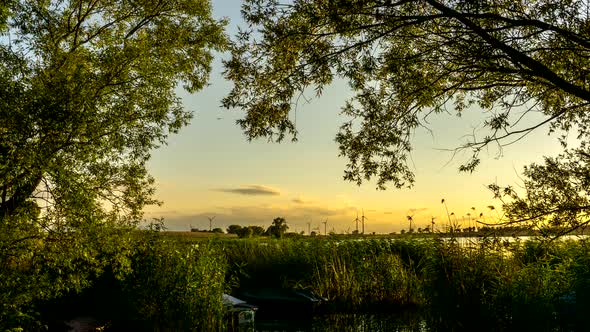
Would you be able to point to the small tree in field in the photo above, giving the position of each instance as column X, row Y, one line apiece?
column 234, row 229
column 278, row 227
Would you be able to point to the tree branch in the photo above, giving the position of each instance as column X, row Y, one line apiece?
column 537, row 68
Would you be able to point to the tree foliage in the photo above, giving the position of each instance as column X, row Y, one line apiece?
column 246, row 231
column 278, row 228
column 87, row 90
column 406, row 60
column 234, row 229
column 556, row 195
column 255, row 230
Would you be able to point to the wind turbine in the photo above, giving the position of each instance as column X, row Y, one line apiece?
column 316, row 229
column 210, row 221
column 357, row 221
column 410, row 219
column 363, row 220
column 325, row 226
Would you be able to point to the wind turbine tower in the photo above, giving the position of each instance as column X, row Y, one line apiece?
column 210, row 222
column 363, row 221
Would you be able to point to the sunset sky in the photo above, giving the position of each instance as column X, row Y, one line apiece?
column 210, row 169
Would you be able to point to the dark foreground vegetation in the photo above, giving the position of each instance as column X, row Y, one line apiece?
column 177, row 285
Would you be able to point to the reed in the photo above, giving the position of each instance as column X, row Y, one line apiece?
column 351, row 274
column 489, row 282
column 502, row 285
column 177, row 285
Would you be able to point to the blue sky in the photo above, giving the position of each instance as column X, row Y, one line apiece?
column 210, row 169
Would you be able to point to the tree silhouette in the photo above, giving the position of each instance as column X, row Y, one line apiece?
column 278, row 227
column 234, row 229
column 523, row 63
column 556, row 199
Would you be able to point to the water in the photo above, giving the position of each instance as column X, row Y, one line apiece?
column 474, row 240
column 409, row 321
column 366, row 322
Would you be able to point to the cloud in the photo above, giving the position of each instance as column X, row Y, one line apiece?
column 301, row 200
column 417, row 210
column 252, row 190
column 298, row 200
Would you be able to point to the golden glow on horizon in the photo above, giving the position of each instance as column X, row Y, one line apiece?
column 340, row 210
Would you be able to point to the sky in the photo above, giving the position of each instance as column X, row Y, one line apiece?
column 211, row 170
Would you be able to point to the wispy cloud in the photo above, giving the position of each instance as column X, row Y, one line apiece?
column 251, row 190
column 301, row 200
column 417, row 210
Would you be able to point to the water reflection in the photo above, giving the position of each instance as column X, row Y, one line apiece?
column 409, row 321
column 399, row 322
column 510, row 239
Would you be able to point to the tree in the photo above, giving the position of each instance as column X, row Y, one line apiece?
column 87, row 90
column 234, row 229
column 407, row 60
column 278, row 227
column 555, row 200
column 257, row 230
column 247, row 231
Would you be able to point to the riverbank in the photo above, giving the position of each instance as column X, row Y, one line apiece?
column 177, row 284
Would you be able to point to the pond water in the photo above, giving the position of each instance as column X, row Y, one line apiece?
column 409, row 321
column 399, row 322
column 473, row 241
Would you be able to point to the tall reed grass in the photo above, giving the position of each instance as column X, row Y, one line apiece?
column 489, row 283
column 350, row 274
column 505, row 286
column 177, row 285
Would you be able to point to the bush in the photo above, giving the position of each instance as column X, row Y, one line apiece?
column 38, row 269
